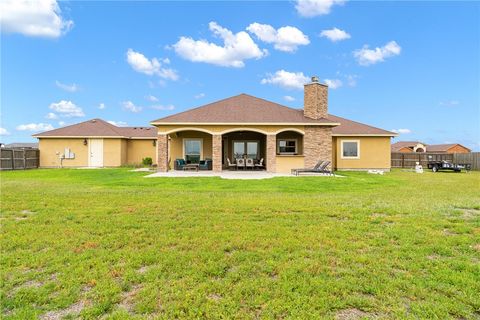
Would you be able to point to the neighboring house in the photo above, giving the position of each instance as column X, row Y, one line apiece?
column 96, row 143
column 408, row 146
column 22, row 145
column 286, row 138
column 415, row 146
column 448, row 148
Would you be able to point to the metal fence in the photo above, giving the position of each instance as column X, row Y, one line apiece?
column 16, row 159
column 409, row 160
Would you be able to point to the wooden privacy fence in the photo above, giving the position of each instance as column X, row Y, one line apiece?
column 15, row 159
column 473, row 158
column 409, row 160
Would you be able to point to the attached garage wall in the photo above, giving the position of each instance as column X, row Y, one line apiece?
column 374, row 154
column 137, row 149
column 112, row 152
column 51, row 146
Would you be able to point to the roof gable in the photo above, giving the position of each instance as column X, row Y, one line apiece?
column 242, row 108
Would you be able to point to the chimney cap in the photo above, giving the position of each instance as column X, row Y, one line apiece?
column 315, row 79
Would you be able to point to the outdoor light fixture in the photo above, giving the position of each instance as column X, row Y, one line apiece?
column 85, row 142
column 154, row 143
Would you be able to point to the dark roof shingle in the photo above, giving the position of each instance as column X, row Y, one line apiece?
column 99, row 128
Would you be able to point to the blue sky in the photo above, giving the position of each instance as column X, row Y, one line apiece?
column 407, row 66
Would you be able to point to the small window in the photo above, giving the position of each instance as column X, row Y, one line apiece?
column 351, row 149
column 287, row 146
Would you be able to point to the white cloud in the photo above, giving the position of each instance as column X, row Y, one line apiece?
column 288, row 98
column 67, row 109
column 449, row 103
column 38, row 18
column 67, row 87
column 352, row 80
column 36, row 127
column 284, row 39
column 287, row 80
column 366, row 56
column 51, row 116
column 4, row 132
column 142, row 64
column 101, row 106
column 333, row 83
column 402, row 131
column 236, row 48
column 335, row 34
column 199, row 96
column 313, row 8
column 130, row 106
column 151, row 98
column 61, row 123
column 162, row 107
column 118, row 123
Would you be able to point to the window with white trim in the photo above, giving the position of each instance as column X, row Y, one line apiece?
column 287, row 146
column 350, row 149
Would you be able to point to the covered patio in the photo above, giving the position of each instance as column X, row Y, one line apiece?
column 232, row 149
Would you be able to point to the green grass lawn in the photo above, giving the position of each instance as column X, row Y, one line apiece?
column 112, row 244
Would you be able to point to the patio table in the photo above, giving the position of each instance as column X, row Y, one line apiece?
column 190, row 166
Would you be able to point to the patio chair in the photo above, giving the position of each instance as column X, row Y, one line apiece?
column 179, row 164
column 249, row 163
column 231, row 165
column 240, row 163
column 205, row 164
column 259, row 165
column 320, row 167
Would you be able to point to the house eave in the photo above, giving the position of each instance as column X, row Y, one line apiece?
column 328, row 124
column 365, row 135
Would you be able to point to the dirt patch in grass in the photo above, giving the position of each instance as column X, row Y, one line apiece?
column 143, row 269
column 476, row 246
column 214, row 297
column 73, row 310
column 127, row 300
column 353, row 314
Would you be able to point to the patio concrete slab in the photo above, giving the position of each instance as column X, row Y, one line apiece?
column 242, row 175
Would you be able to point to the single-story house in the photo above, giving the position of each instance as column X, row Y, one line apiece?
column 408, row 146
column 244, row 126
column 96, row 143
column 416, row 146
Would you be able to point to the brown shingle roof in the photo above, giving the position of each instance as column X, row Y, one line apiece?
column 99, row 128
column 245, row 108
column 349, row 127
column 242, row 108
column 404, row 144
column 442, row 147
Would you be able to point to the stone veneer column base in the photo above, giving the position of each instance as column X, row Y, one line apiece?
column 317, row 145
column 162, row 153
column 271, row 154
column 217, row 152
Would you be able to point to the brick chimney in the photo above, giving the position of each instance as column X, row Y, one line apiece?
column 315, row 99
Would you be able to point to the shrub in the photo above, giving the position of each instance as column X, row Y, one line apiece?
column 147, row 161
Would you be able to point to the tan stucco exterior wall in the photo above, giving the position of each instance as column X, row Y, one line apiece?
column 49, row 148
column 138, row 149
column 374, row 154
column 112, row 152
column 221, row 129
column 284, row 164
